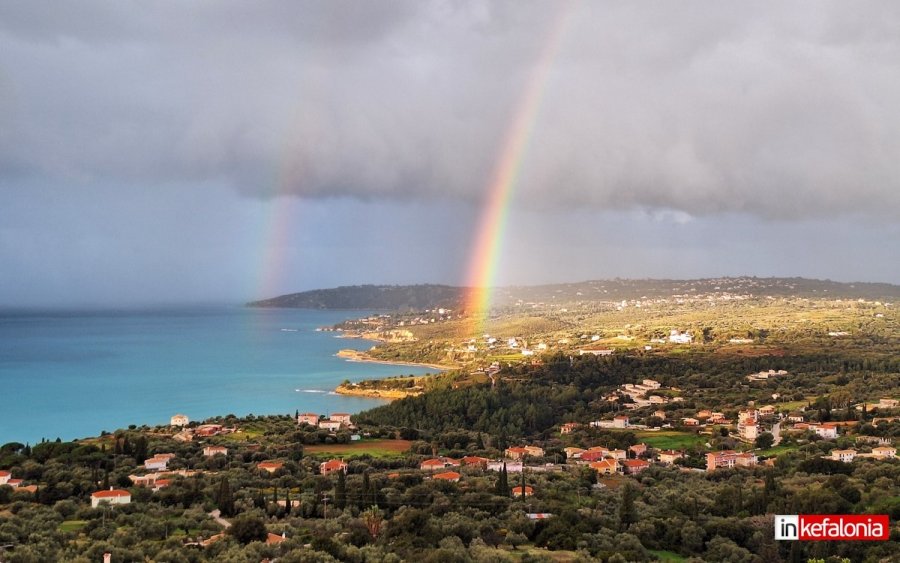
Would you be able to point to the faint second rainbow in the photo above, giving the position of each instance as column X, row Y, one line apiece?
column 504, row 178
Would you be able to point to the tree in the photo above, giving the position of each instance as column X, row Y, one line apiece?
column 373, row 519
column 247, row 528
column 765, row 440
column 224, row 498
column 502, row 484
column 340, row 491
column 627, row 512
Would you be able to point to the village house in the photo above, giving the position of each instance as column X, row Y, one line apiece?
column 767, row 410
column 511, row 466
column 826, row 431
column 111, row 497
column 888, row 403
column 704, row 414
column 717, row 418
column 748, row 431
column 522, row 452
column 451, row 476
column 795, row 417
column 275, row 539
column 332, row 466
column 845, row 456
column 159, row 462
column 270, row 466
column 145, row 480
column 475, row 461
column 633, row 466
column 594, row 454
column 618, row 454
column 638, row 449
column 330, row 425
column 438, row 463
column 568, row 427
column 668, row 457
column 884, row 452
column 5, row 477
column 726, row 459
column 310, row 418
column 207, row 430
column 660, row 414
column 573, row 452
column 690, row 421
column 210, row 451
column 678, row 337
column 161, row 484
column 179, row 420
column 341, row 418
column 620, row 422
column 605, row 466
column 517, row 491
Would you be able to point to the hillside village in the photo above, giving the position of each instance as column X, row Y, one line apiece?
column 649, row 429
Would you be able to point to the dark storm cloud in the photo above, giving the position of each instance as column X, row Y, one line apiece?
column 773, row 109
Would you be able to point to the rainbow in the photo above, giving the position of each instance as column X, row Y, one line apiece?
column 504, row 178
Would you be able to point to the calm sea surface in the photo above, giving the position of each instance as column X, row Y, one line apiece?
column 73, row 375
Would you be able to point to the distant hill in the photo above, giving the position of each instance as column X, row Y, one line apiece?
column 390, row 297
column 420, row 297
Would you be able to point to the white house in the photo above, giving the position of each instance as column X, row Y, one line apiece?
column 329, row 425
column 310, row 418
column 826, row 431
column 678, row 337
column 112, row 496
column 210, row 451
column 845, row 456
column 884, row 452
column 179, row 420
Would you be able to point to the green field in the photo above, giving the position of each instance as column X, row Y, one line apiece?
column 72, row 525
column 667, row 555
column 374, row 448
column 671, row 439
column 777, row 450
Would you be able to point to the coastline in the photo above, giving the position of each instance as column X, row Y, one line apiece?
column 359, row 356
column 355, row 390
column 389, row 394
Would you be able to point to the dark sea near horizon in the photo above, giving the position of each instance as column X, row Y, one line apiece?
column 74, row 374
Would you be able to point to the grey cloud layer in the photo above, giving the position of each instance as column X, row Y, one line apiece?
column 702, row 107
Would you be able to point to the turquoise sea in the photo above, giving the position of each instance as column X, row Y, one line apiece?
column 74, row 374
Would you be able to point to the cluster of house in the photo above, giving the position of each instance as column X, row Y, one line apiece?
column 764, row 375
column 6, row 479
column 638, row 393
column 332, row 423
column 879, row 452
column 727, row 459
column 607, row 461
column 203, row 431
column 160, row 478
column 444, row 468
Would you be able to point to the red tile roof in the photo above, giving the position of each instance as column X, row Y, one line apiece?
column 111, row 494
column 448, row 476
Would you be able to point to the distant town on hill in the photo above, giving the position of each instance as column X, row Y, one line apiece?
column 418, row 297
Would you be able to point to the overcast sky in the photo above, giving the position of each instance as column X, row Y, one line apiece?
column 226, row 151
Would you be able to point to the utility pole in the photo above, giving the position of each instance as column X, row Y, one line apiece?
column 325, row 500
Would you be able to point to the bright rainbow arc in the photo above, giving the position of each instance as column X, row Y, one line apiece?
column 489, row 242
